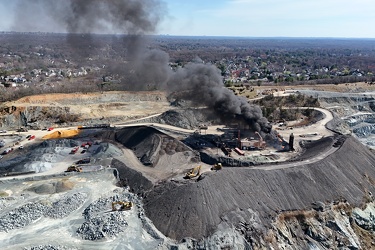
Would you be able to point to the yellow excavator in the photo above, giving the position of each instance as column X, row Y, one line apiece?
column 194, row 172
column 121, row 205
column 217, row 166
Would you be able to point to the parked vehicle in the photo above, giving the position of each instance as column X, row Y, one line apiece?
column 74, row 150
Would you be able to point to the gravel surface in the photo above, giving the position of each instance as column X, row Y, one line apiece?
column 196, row 209
column 100, row 221
column 66, row 205
column 21, row 217
column 49, row 247
column 105, row 226
column 28, row 213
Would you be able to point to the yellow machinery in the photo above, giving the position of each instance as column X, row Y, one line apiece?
column 121, row 205
column 62, row 134
column 74, row 168
column 217, row 166
column 194, row 172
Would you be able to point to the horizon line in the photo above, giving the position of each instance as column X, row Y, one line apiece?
column 192, row 36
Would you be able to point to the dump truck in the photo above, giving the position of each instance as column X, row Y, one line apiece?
column 121, row 205
column 83, row 161
column 194, row 172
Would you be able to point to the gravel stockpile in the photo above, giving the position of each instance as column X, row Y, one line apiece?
column 101, row 222
column 105, row 204
column 21, row 217
column 27, row 214
column 49, row 247
column 197, row 208
column 107, row 225
column 66, row 205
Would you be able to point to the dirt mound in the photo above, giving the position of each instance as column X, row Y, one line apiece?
column 185, row 118
column 81, row 108
column 313, row 148
column 52, row 187
column 243, row 195
column 148, row 144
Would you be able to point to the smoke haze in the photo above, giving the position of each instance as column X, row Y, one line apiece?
column 144, row 69
column 136, row 17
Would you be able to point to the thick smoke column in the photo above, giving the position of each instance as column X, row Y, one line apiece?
column 145, row 69
column 203, row 85
column 135, row 17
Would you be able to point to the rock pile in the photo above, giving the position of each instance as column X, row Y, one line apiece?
column 21, row 217
column 104, row 226
column 49, row 247
column 101, row 222
column 66, row 205
column 28, row 213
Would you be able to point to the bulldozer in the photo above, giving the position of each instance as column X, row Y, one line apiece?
column 74, row 168
column 217, row 166
column 194, row 172
column 121, row 205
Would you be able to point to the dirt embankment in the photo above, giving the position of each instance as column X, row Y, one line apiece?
column 242, row 194
column 80, row 108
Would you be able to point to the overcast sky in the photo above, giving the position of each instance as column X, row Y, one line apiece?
column 250, row 18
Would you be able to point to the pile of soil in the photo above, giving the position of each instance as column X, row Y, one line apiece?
column 149, row 144
column 186, row 118
column 242, row 195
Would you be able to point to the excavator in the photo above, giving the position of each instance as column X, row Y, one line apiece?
column 194, row 172
column 121, row 205
column 217, row 166
column 74, row 168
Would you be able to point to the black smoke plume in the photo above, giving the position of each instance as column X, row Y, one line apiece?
column 144, row 69
column 136, row 17
column 203, row 84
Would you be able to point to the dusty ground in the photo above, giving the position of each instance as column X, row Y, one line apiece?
column 45, row 110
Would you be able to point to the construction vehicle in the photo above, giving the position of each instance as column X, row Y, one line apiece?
column 74, row 168
column 7, row 151
column 74, row 150
column 121, row 205
column 194, row 172
column 22, row 129
column 217, row 166
column 83, row 161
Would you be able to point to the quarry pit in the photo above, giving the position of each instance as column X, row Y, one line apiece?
column 144, row 159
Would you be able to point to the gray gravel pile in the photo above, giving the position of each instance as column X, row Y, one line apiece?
column 101, row 222
column 49, row 247
column 107, row 225
column 21, row 217
column 66, row 205
column 105, row 204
